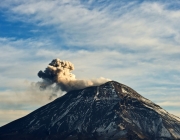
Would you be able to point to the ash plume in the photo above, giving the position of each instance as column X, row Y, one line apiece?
column 58, row 73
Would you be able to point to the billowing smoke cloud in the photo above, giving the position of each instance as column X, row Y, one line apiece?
column 58, row 75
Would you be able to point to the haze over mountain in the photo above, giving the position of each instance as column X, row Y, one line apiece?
column 111, row 111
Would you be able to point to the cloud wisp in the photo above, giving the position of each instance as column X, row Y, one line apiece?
column 101, row 26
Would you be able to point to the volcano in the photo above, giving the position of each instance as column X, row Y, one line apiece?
column 111, row 111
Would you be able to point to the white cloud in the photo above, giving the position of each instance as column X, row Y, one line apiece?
column 139, row 27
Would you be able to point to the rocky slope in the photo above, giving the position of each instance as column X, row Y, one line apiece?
column 112, row 111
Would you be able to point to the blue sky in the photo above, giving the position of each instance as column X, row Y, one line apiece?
column 136, row 43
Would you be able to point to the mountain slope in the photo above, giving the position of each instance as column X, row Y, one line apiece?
column 111, row 111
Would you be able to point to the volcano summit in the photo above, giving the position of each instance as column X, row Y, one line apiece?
column 111, row 111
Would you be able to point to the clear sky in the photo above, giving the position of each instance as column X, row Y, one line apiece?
column 134, row 42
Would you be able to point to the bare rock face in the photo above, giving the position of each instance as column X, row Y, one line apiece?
column 112, row 111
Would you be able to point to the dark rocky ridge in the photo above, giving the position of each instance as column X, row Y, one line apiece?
column 112, row 111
